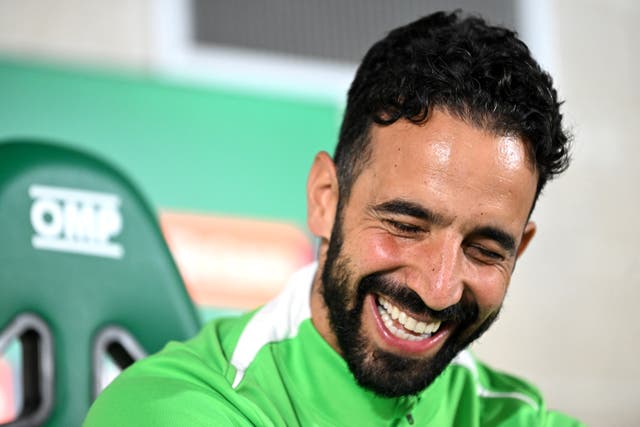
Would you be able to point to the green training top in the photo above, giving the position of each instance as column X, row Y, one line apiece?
column 270, row 367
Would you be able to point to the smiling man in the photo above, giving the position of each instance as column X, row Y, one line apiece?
column 450, row 133
column 417, row 261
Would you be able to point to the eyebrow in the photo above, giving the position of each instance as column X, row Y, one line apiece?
column 412, row 209
column 404, row 207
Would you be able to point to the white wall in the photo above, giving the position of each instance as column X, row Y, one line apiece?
column 105, row 33
column 569, row 320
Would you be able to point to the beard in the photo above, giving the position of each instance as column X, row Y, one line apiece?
column 385, row 373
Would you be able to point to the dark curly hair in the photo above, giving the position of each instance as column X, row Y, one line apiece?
column 480, row 73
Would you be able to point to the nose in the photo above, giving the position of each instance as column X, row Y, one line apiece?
column 440, row 283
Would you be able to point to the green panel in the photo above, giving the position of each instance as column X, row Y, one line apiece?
column 191, row 147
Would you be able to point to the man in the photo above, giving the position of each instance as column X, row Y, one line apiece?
column 450, row 133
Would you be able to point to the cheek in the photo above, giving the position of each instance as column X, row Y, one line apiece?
column 489, row 291
column 378, row 251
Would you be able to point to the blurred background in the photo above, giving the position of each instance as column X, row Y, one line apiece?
column 216, row 109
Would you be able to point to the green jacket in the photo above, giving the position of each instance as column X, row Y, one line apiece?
column 270, row 367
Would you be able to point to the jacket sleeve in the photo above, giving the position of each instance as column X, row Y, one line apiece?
column 162, row 402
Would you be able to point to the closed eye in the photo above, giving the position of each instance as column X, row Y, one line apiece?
column 484, row 255
column 403, row 227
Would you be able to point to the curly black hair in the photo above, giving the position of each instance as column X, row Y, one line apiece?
column 480, row 73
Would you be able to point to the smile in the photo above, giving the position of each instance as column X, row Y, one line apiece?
column 402, row 325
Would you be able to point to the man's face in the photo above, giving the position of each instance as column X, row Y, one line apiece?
column 420, row 257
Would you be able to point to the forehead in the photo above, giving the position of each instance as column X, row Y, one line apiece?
column 448, row 160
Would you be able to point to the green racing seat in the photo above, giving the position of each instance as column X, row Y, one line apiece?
column 87, row 283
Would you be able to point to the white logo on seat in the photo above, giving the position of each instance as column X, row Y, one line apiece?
column 79, row 221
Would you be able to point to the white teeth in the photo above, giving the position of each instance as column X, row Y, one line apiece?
column 410, row 324
column 389, row 313
column 402, row 318
column 433, row 327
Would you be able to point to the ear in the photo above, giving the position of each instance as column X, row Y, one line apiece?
column 529, row 232
column 322, row 196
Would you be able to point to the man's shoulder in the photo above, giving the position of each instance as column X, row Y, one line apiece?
column 179, row 385
column 225, row 375
column 491, row 397
column 494, row 385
